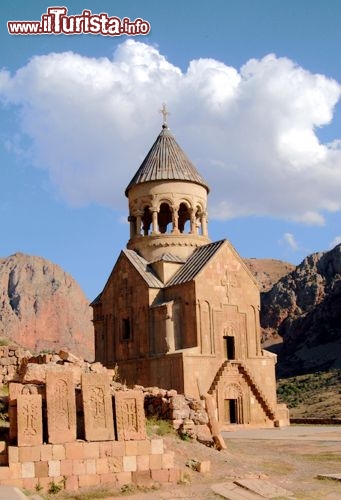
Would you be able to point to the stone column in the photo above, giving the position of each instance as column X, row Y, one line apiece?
column 139, row 214
column 193, row 222
column 204, row 223
column 175, row 219
column 132, row 223
column 155, row 226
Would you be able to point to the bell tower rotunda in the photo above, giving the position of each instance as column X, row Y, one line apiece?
column 167, row 202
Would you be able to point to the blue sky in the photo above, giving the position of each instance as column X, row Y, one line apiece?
column 253, row 88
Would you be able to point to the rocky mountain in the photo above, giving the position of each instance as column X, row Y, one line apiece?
column 43, row 308
column 304, row 308
column 268, row 271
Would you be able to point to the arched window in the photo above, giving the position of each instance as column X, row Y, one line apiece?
column 164, row 218
column 184, row 218
column 146, row 221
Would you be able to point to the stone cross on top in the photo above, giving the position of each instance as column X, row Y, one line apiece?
column 164, row 113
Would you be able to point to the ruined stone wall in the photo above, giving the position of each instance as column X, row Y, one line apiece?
column 79, row 436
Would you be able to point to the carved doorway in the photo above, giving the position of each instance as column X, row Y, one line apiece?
column 230, row 403
column 231, row 411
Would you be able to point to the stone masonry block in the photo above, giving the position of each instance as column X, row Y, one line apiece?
column 168, row 460
column 5, row 473
column 15, row 468
column 66, row 467
column 102, row 465
column 54, row 468
column 16, row 483
column 29, row 454
column 131, row 447
column 108, row 478
column 155, row 462
column 58, row 452
column 129, row 463
column 115, row 464
column 124, row 478
column 105, row 449
column 143, row 478
column 46, row 452
column 156, row 446
column 143, row 447
column 118, row 448
column 204, row 466
column 41, row 469
column 74, row 450
column 90, row 466
column 13, row 454
column 30, row 483
column 71, row 483
column 160, row 475
column 175, row 475
column 27, row 469
column 88, row 480
column 79, row 467
column 91, row 449
column 142, row 462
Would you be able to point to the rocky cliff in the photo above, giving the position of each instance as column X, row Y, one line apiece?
column 304, row 308
column 43, row 308
column 268, row 271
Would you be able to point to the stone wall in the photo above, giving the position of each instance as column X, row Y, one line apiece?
column 186, row 414
column 72, row 426
column 83, row 464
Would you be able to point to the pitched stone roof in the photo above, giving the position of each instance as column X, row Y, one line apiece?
column 143, row 267
column 166, row 161
column 195, row 263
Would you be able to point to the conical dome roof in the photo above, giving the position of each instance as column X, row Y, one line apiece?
column 166, row 161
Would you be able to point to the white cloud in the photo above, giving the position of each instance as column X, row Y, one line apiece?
column 289, row 240
column 336, row 241
column 251, row 133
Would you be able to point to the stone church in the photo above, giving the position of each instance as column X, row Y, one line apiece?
column 179, row 311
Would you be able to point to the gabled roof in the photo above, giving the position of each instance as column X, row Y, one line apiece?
column 166, row 161
column 143, row 267
column 168, row 257
column 195, row 263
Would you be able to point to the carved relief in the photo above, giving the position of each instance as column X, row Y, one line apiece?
column 229, row 281
column 30, row 427
column 61, row 407
column 130, row 417
column 98, row 416
column 16, row 389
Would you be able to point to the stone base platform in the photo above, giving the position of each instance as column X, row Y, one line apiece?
column 84, row 464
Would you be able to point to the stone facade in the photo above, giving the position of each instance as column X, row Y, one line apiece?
column 179, row 311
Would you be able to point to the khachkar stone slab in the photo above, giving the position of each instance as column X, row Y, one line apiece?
column 29, row 417
column 97, row 405
column 130, row 417
column 61, row 407
column 14, row 390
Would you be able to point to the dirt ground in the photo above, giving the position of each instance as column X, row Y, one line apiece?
column 290, row 458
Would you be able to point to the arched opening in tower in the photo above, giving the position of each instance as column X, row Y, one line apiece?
column 146, row 221
column 184, row 224
column 198, row 221
column 165, row 218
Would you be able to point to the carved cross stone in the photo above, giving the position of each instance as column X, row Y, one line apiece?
column 227, row 282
